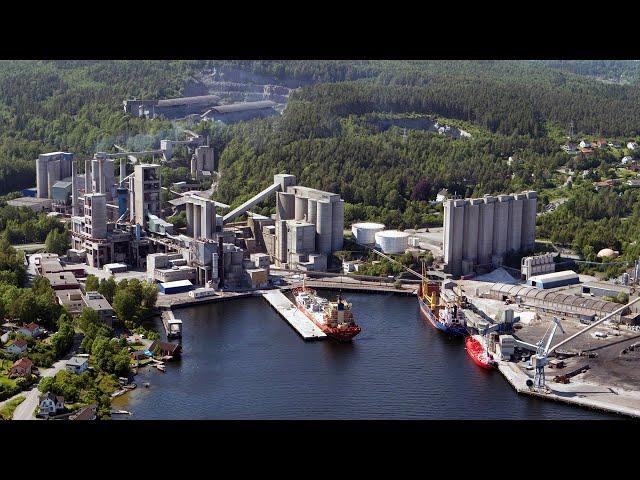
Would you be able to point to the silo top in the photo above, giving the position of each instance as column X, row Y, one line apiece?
column 368, row 226
column 392, row 234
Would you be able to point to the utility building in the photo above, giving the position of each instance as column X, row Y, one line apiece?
column 51, row 167
column 146, row 192
column 480, row 232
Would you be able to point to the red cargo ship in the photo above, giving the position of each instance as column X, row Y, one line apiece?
column 333, row 318
column 478, row 352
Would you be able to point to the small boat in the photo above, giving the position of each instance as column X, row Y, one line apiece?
column 120, row 412
column 146, row 384
column 478, row 352
column 161, row 367
column 118, row 393
column 131, row 386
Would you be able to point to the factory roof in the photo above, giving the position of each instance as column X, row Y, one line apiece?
column 243, row 106
column 182, row 200
column 551, row 296
column 28, row 201
column 202, row 99
column 177, row 283
column 62, row 184
column 555, row 276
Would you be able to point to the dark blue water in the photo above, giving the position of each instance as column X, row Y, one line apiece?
column 243, row 361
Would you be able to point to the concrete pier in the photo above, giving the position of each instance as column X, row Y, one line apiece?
column 596, row 397
column 300, row 323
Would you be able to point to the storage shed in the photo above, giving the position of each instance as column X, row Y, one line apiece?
column 555, row 279
column 178, row 286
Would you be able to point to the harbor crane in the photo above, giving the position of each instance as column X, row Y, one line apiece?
column 540, row 359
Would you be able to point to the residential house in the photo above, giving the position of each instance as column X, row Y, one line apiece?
column 165, row 349
column 138, row 355
column 605, row 184
column 627, row 159
column 632, row 145
column 614, row 144
column 21, row 368
column 634, row 182
column 71, row 299
column 85, row 413
column 97, row 302
column 570, row 148
column 77, row 364
column 51, row 404
column 32, row 330
column 586, row 151
column 585, row 144
column 601, row 143
column 18, row 347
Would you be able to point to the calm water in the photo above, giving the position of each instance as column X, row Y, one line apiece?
column 243, row 361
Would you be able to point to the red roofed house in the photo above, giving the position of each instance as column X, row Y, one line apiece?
column 17, row 347
column 32, row 330
column 21, row 368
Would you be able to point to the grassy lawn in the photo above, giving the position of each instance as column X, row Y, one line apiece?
column 6, row 412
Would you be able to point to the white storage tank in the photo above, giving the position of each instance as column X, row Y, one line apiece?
column 392, row 241
column 365, row 232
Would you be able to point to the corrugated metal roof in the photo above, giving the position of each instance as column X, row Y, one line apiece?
column 555, row 276
column 202, row 99
column 243, row 106
column 177, row 283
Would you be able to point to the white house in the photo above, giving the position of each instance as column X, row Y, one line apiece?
column 77, row 364
column 442, row 195
column 627, row 159
column 17, row 347
column 632, row 145
column 31, row 330
column 51, row 404
column 585, row 144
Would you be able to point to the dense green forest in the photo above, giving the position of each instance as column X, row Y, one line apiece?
column 331, row 135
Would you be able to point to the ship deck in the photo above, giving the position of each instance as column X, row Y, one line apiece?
column 300, row 323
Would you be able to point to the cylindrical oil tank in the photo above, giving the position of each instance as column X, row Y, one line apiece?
column 365, row 232
column 323, row 227
column 529, row 208
column 300, row 208
column 312, row 211
column 392, row 241
column 471, row 223
column 515, row 222
column 337, row 226
column 501, row 225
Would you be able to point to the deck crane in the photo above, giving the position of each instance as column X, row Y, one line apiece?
column 540, row 359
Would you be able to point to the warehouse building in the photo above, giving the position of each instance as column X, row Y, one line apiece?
column 554, row 280
column 179, row 286
column 170, row 108
column 558, row 303
column 238, row 112
column 480, row 232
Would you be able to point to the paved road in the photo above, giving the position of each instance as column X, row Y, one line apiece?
column 25, row 410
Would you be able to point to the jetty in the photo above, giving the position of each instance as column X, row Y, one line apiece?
column 172, row 325
column 300, row 323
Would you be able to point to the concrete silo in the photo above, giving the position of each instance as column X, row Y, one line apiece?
column 337, row 225
column 530, row 205
column 515, row 223
column 300, row 208
column 485, row 230
column 453, row 235
column 500, row 227
column 471, row 230
column 285, row 206
column 312, row 211
column 323, row 227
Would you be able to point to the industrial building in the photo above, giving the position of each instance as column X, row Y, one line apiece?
column 480, row 232
column 554, row 280
column 559, row 303
column 203, row 162
column 537, row 265
column 51, row 167
column 170, row 108
column 237, row 112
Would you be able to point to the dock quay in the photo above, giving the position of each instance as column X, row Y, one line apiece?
column 586, row 395
column 371, row 287
column 300, row 323
column 172, row 325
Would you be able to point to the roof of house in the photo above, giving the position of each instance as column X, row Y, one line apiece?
column 20, row 343
column 77, row 361
column 165, row 346
column 85, row 413
column 23, row 362
column 51, row 396
column 31, row 327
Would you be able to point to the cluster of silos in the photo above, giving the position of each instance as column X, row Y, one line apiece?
column 100, row 174
column 392, row 241
column 364, row 233
column 480, row 232
column 51, row 167
column 323, row 210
